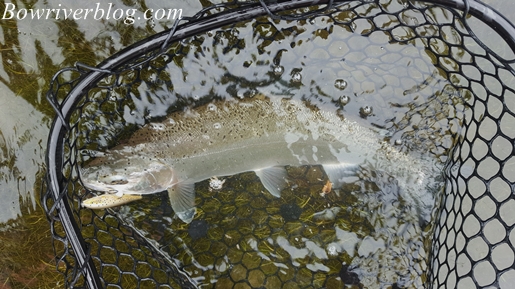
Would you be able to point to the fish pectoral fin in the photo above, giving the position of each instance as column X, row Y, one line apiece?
column 273, row 179
column 182, row 199
column 339, row 174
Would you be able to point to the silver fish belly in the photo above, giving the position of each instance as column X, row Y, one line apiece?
column 261, row 135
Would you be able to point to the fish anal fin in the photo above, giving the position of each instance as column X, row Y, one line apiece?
column 182, row 199
column 273, row 179
column 341, row 173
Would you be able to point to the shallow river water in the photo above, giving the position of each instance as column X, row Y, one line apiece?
column 32, row 51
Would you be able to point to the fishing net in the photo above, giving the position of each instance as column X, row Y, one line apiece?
column 413, row 71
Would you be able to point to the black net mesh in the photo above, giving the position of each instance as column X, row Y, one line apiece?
column 412, row 70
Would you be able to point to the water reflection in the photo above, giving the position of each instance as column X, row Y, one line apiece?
column 31, row 52
column 21, row 156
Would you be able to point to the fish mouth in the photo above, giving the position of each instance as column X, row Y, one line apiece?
column 134, row 183
column 102, row 183
column 154, row 178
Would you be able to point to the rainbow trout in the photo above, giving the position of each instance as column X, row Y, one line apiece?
column 262, row 135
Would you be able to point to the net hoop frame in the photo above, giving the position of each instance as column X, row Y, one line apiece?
column 195, row 25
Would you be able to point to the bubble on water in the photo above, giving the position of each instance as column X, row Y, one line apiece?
column 332, row 250
column 196, row 97
column 398, row 142
column 132, row 112
column 340, row 84
column 366, row 110
column 157, row 126
column 151, row 22
column 211, row 107
column 217, row 125
column 278, row 70
column 296, row 77
column 344, row 99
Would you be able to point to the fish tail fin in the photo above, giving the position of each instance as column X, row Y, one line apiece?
column 182, row 199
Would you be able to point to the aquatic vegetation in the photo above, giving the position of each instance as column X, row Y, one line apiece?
column 25, row 260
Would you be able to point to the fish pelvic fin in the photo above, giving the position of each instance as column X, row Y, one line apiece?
column 341, row 173
column 182, row 199
column 273, row 179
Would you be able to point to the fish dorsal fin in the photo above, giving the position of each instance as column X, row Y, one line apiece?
column 182, row 199
column 339, row 174
column 273, row 179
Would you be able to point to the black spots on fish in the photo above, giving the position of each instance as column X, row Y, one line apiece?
column 348, row 277
column 198, row 229
column 290, row 212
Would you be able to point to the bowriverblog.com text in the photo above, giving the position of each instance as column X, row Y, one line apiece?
column 107, row 12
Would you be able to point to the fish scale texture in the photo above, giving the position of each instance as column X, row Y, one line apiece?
column 410, row 70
